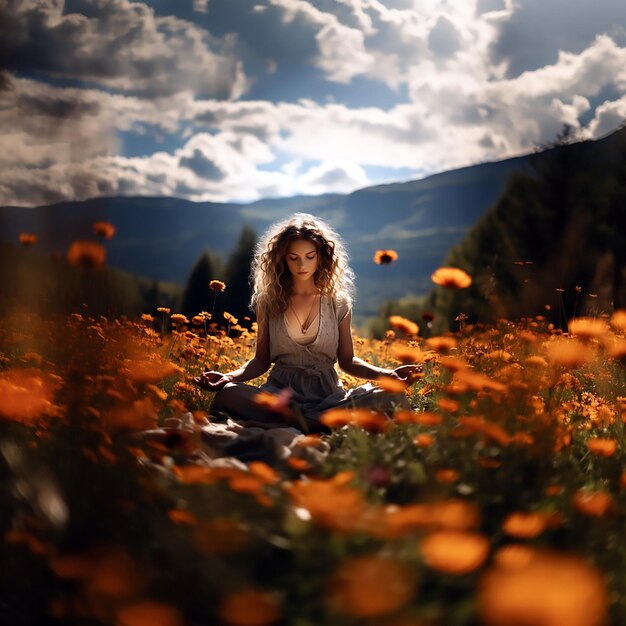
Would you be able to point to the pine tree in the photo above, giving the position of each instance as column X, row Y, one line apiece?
column 197, row 296
column 237, row 295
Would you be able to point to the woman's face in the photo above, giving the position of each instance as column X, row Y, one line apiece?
column 302, row 259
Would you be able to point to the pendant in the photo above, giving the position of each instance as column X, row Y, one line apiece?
column 303, row 331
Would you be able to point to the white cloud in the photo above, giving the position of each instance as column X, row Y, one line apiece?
column 608, row 116
column 341, row 49
column 460, row 108
column 121, row 45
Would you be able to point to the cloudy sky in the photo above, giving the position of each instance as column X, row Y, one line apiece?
column 234, row 100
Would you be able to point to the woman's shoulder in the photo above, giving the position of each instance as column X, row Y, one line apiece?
column 342, row 305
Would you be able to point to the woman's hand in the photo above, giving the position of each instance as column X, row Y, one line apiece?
column 407, row 373
column 212, row 381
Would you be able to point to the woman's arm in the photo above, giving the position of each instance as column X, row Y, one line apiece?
column 255, row 367
column 358, row 367
column 345, row 355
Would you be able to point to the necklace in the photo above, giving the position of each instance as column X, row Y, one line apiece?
column 302, row 328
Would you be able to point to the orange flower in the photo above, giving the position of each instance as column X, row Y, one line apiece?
column 28, row 239
column 443, row 345
column 403, row 325
column 384, row 257
column 230, row 318
column 370, row 586
column 602, row 446
column 87, row 254
column 543, row 589
column 451, row 277
column 588, row 327
column 423, row 440
column 335, row 505
column 447, row 475
column 452, row 514
column 182, row 516
column 149, row 371
column 221, row 536
column 115, row 575
column 217, row 285
column 618, row 319
column 536, row 361
column 525, row 525
column 149, row 614
column 390, row 384
column 448, row 405
column 452, row 364
column 616, row 349
column 138, row 415
column 569, row 352
column 195, row 474
column 363, row 418
column 104, row 230
column 249, row 607
column 275, row 403
column 179, row 318
column 593, row 503
column 298, row 464
column 492, row 431
column 477, row 382
column 72, row 566
column 26, row 396
column 454, row 552
column 407, row 355
column 522, row 438
column 417, row 417
column 514, row 556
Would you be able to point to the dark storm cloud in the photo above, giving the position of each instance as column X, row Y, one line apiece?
column 202, row 166
column 532, row 37
column 118, row 44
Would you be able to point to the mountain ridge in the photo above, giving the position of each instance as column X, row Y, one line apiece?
column 161, row 237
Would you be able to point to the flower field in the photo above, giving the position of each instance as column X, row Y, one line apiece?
column 500, row 499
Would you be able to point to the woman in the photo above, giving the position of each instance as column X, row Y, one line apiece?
column 302, row 294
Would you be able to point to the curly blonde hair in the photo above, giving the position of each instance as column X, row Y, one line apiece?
column 271, row 279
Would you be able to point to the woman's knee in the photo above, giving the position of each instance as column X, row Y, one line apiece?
column 229, row 398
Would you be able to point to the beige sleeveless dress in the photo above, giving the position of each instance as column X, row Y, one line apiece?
column 309, row 370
